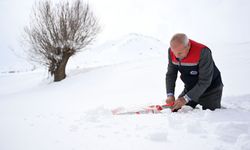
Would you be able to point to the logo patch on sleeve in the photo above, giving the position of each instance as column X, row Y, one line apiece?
column 193, row 72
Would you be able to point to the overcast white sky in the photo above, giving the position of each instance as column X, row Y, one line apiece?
column 203, row 20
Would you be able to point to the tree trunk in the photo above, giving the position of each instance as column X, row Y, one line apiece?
column 60, row 70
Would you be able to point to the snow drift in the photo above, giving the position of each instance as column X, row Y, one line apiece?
column 75, row 113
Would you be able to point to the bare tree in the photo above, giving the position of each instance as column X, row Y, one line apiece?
column 56, row 32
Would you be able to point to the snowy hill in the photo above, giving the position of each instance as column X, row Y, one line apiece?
column 75, row 113
column 131, row 47
column 37, row 114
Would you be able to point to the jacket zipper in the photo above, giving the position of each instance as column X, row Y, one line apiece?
column 179, row 61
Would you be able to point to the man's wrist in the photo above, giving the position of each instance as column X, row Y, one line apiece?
column 170, row 94
column 187, row 98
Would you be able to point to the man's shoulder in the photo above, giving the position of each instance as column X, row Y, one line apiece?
column 205, row 51
column 206, row 54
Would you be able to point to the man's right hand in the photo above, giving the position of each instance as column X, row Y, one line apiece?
column 170, row 100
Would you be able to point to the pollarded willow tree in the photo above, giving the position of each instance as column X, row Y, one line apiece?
column 57, row 32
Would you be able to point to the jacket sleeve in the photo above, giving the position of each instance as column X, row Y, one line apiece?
column 171, row 76
column 206, row 70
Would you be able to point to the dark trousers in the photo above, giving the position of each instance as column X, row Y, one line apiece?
column 209, row 100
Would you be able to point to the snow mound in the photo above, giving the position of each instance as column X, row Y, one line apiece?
column 131, row 47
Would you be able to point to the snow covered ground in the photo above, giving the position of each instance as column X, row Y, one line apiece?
column 75, row 114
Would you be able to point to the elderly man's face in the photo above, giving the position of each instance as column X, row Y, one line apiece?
column 180, row 51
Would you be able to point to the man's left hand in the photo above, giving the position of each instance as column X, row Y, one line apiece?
column 178, row 104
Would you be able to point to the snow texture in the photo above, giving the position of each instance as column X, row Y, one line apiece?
column 75, row 114
column 128, row 71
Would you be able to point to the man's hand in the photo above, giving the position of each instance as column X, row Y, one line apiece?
column 178, row 104
column 170, row 100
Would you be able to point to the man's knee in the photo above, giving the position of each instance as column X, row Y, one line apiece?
column 212, row 101
column 210, row 106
